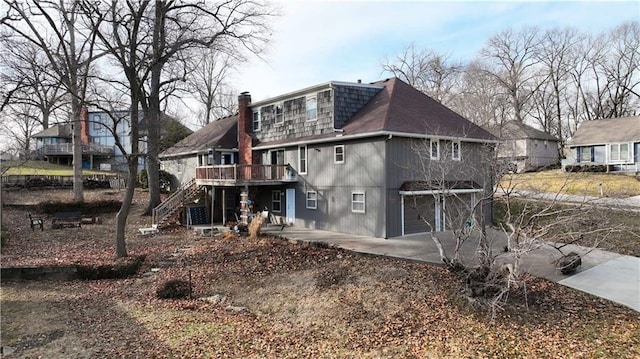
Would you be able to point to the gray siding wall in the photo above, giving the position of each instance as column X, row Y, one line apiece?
column 362, row 171
column 540, row 155
column 406, row 161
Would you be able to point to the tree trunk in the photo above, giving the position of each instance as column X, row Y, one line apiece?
column 123, row 213
column 152, row 117
column 78, row 188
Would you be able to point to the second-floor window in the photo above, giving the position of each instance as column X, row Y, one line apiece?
column 455, row 150
column 435, row 149
column 279, row 113
column 302, row 159
column 312, row 108
column 256, row 120
column 338, row 154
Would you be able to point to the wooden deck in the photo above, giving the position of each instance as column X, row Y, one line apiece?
column 236, row 175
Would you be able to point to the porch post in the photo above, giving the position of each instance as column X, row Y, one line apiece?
column 244, row 209
column 224, row 206
column 213, row 197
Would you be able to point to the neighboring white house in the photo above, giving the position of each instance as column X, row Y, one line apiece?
column 613, row 143
column 525, row 148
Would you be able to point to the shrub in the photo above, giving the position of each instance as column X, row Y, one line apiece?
column 174, row 289
column 86, row 208
column 585, row 168
column 165, row 180
column 111, row 271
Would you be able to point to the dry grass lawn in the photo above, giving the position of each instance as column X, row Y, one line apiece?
column 576, row 183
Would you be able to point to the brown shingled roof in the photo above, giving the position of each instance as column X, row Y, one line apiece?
column 222, row 133
column 398, row 107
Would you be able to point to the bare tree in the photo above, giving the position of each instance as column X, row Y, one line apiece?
column 454, row 194
column 426, row 70
column 27, row 75
column 510, row 56
column 480, row 99
column 180, row 27
column 152, row 41
column 622, row 72
column 20, row 122
column 555, row 64
column 57, row 29
column 208, row 82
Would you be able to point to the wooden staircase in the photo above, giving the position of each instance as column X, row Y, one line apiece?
column 170, row 208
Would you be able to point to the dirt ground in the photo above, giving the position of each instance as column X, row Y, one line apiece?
column 267, row 298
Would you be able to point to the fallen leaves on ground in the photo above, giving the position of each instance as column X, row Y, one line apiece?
column 281, row 300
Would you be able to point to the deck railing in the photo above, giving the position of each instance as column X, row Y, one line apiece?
column 169, row 206
column 233, row 173
column 67, row 149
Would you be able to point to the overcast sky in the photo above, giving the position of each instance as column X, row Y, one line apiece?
column 316, row 42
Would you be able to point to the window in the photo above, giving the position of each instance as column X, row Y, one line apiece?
column 455, row 150
column 584, row 154
column 279, row 113
column 302, row 159
column 312, row 199
column 276, row 201
column 546, row 144
column 435, row 149
column 357, row 202
column 256, row 120
column 312, row 108
column 96, row 122
column 338, row 154
column 619, row 152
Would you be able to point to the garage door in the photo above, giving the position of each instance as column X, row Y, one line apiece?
column 416, row 207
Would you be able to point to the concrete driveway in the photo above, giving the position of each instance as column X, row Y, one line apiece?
column 605, row 274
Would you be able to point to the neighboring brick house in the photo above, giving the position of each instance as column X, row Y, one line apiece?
column 348, row 157
column 523, row 148
column 613, row 143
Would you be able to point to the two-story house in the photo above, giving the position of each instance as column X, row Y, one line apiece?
column 379, row 159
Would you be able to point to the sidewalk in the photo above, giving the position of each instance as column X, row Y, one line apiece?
column 608, row 275
column 630, row 203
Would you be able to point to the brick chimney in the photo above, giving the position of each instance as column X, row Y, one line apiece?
column 84, row 126
column 245, row 128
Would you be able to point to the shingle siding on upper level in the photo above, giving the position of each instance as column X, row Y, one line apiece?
column 295, row 123
column 349, row 100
